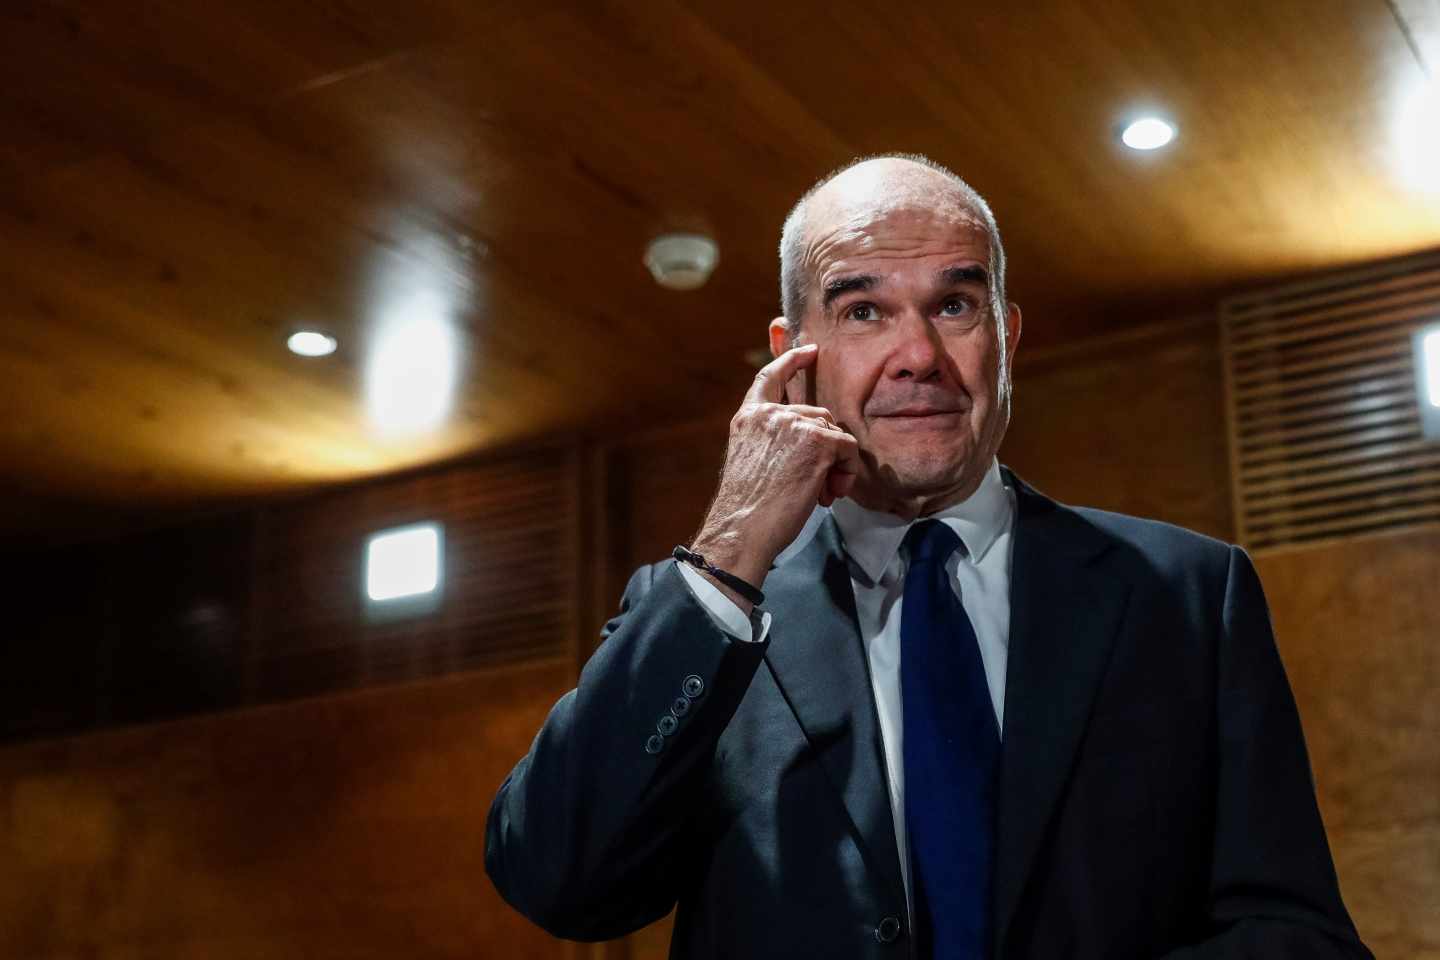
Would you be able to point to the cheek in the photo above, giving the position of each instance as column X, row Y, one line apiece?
column 842, row 386
column 977, row 361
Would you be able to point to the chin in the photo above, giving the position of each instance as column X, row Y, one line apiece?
column 925, row 474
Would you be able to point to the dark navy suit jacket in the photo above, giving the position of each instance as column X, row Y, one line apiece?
column 1155, row 799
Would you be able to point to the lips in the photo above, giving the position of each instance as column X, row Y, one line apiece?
column 920, row 412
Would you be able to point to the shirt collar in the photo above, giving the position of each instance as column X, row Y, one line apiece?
column 872, row 538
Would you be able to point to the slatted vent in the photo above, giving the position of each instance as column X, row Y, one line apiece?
column 509, row 579
column 1325, row 431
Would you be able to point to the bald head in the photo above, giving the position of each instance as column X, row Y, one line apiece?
column 870, row 189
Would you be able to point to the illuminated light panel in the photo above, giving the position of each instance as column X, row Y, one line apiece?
column 1427, row 379
column 410, row 379
column 1430, row 357
column 404, row 562
column 311, row 343
column 1417, row 137
column 1148, row 133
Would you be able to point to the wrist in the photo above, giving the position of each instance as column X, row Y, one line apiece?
column 745, row 594
column 729, row 552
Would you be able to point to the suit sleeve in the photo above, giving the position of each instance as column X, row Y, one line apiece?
column 1273, row 888
column 590, row 836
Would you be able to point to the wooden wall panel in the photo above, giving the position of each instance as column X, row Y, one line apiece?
column 508, row 587
column 350, row 826
column 1134, row 424
column 1358, row 626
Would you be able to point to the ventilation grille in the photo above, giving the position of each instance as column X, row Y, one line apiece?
column 509, row 581
column 1325, row 429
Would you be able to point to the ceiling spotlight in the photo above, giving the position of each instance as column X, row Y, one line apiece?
column 311, row 343
column 1148, row 133
column 681, row 261
column 1417, row 137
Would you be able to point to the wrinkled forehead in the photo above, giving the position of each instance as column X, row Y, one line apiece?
column 840, row 235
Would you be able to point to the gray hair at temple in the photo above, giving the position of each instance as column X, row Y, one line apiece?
column 792, row 268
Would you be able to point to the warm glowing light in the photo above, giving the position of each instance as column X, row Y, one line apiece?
column 1427, row 379
column 404, row 562
column 1417, row 137
column 1148, row 133
column 311, row 343
column 411, row 375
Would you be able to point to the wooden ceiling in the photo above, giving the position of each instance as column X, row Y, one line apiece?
column 184, row 184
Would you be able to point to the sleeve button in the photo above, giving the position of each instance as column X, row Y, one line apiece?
column 693, row 686
column 667, row 725
column 888, row 930
column 655, row 744
column 680, row 707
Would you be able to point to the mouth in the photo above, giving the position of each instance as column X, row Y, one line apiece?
column 919, row 413
column 926, row 420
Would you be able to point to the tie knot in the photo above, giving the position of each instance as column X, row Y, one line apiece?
column 931, row 541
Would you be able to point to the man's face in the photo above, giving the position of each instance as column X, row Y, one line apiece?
column 909, row 359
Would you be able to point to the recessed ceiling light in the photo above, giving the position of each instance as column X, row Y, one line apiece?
column 311, row 343
column 412, row 366
column 1148, row 133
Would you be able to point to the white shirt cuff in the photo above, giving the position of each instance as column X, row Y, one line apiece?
column 722, row 609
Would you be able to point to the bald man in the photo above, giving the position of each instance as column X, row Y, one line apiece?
column 892, row 701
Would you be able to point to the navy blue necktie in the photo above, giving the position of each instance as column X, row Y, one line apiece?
column 952, row 755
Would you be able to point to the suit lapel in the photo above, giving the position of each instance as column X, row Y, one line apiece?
column 818, row 660
column 1066, row 605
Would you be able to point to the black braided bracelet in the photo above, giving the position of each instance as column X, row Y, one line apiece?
column 729, row 579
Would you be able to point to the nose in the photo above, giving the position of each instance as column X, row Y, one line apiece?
column 917, row 353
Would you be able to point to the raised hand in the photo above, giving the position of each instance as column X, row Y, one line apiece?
column 782, row 459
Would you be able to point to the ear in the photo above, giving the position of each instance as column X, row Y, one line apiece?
column 779, row 336
column 1012, row 333
column 798, row 390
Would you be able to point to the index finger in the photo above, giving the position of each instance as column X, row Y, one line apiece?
column 769, row 385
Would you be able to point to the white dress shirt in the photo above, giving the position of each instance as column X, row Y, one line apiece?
column 981, row 578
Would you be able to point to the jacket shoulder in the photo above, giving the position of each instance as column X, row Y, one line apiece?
column 1157, row 540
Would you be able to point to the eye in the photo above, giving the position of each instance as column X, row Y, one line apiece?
column 863, row 312
column 956, row 307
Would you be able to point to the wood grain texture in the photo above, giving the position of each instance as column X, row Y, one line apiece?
column 1132, row 423
column 1357, row 625
column 351, row 826
column 185, row 186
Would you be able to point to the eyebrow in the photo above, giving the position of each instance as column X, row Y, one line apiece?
column 950, row 276
column 837, row 288
column 956, row 275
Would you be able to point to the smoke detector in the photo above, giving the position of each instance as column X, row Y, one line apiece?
column 681, row 261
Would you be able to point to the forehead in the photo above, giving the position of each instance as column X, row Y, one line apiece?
column 888, row 237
